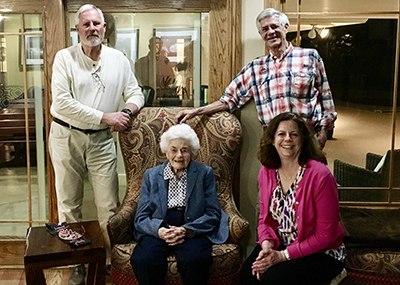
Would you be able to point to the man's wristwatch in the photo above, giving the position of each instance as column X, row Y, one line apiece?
column 129, row 112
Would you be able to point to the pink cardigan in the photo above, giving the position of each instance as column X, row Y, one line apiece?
column 316, row 207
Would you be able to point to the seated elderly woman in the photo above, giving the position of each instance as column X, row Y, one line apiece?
column 300, row 239
column 178, row 212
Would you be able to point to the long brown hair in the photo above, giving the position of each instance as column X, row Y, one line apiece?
column 310, row 149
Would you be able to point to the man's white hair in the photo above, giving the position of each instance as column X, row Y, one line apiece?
column 269, row 12
column 85, row 8
column 181, row 131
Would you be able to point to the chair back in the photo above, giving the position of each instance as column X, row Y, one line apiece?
column 396, row 169
column 219, row 135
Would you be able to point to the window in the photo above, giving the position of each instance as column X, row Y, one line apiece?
column 167, row 53
column 359, row 52
column 22, row 145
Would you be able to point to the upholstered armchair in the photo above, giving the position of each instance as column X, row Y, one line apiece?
column 220, row 137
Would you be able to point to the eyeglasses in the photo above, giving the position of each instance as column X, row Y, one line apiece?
column 97, row 78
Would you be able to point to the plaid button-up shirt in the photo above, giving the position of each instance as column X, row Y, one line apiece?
column 296, row 83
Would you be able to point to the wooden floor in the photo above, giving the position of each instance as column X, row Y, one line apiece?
column 15, row 276
column 12, row 266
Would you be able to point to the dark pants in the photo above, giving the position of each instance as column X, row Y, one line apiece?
column 149, row 258
column 314, row 269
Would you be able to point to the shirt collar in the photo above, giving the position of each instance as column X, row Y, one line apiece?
column 90, row 62
column 285, row 53
column 169, row 173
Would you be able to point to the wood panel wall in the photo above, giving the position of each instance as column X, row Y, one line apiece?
column 225, row 42
column 276, row 4
column 23, row 6
column 53, row 40
column 225, row 45
column 150, row 6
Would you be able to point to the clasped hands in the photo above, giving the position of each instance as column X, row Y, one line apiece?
column 172, row 235
column 118, row 121
column 266, row 258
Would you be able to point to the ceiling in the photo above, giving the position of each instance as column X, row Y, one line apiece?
column 349, row 6
column 328, row 13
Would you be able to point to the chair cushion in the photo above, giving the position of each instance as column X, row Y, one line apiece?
column 376, row 261
column 379, row 166
column 226, row 260
column 123, row 279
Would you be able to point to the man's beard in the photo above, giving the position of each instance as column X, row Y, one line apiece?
column 93, row 41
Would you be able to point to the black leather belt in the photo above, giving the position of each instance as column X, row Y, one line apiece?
column 88, row 131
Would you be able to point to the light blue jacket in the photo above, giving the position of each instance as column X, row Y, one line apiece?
column 202, row 213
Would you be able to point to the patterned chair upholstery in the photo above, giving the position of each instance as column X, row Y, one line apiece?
column 220, row 137
column 372, row 239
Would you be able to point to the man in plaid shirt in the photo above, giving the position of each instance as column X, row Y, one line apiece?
column 289, row 79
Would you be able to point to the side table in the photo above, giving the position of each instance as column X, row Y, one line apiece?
column 44, row 251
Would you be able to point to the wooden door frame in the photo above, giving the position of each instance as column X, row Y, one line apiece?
column 225, row 45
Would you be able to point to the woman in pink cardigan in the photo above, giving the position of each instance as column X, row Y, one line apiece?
column 300, row 239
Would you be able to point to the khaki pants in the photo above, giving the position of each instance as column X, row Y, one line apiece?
column 75, row 154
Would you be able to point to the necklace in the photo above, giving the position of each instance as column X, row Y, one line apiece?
column 287, row 177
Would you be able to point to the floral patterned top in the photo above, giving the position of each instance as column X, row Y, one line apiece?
column 282, row 210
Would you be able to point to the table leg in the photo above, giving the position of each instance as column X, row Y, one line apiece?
column 34, row 276
column 96, row 274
